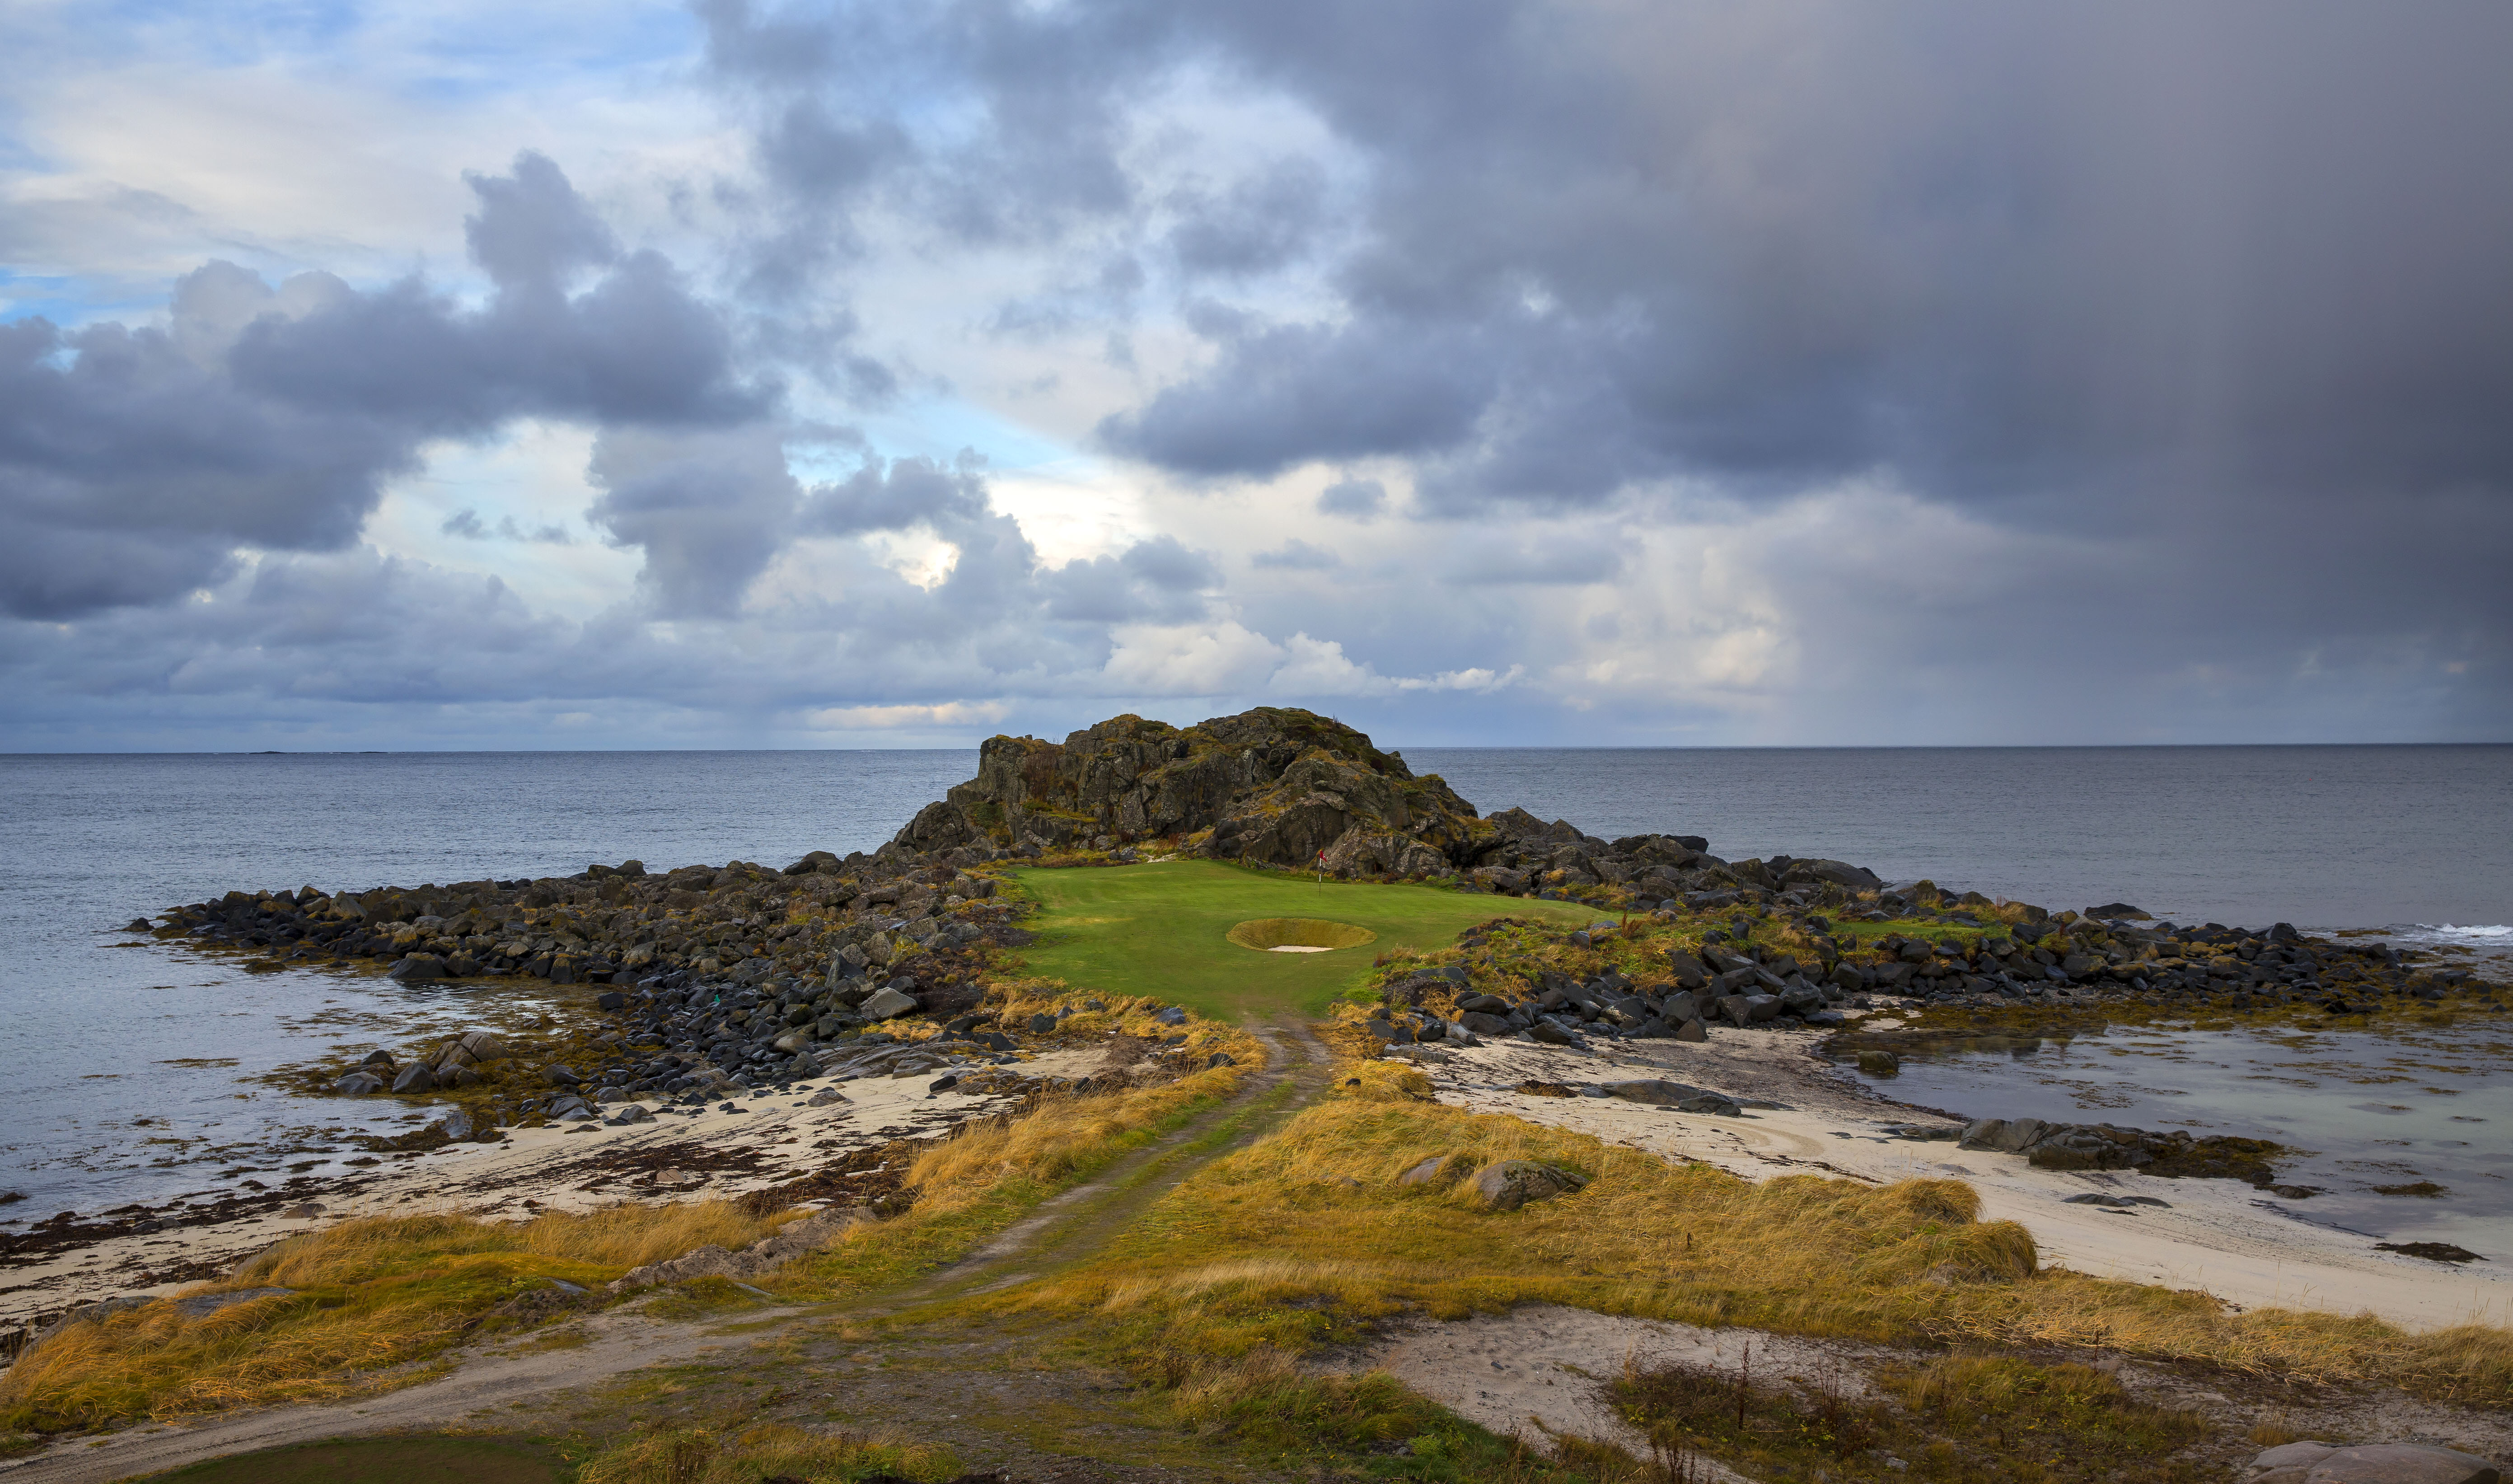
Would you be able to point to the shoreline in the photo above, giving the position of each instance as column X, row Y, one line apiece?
column 680, row 1155
column 2210, row 1235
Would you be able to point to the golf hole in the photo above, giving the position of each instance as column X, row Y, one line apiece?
column 1299, row 934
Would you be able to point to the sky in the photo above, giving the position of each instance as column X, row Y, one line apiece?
column 1480, row 372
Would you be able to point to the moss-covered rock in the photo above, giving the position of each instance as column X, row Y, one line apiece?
column 1278, row 785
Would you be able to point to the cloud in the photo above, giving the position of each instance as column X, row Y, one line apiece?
column 467, row 525
column 1155, row 581
column 136, row 463
column 950, row 713
column 1354, row 499
column 709, row 510
column 1575, row 560
column 1298, row 555
column 1797, row 373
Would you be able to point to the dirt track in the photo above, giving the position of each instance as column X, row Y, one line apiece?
column 1064, row 1230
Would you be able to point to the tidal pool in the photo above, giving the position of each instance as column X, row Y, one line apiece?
column 2406, row 1129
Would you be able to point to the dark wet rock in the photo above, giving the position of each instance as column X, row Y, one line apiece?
column 358, row 1084
column 414, row 1078
column 2432, row 1252
column 1552, row 1033
column 2104, row 1147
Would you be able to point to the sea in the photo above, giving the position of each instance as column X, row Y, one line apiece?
column 131, row 1069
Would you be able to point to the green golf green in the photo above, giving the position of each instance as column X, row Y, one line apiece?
column 1165, row 930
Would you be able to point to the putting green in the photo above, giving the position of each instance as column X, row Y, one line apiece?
column 1163, row 929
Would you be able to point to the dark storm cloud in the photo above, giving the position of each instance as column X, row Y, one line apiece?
column 1292, row 393
column 2029, row 251
column 135, row 463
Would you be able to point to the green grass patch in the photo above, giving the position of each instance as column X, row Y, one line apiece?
column 1162, row 929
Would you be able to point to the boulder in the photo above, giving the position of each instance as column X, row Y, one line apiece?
column 888, row 1004
column 2370, row 1463
column 1688, row 971
column 1878, row 1064
column 1693, row 1031
column 455, row 1123
column 1551, row 1031
column 484, row 1045
column 1438, row 1170
column 358, row 1084
column 2004, row 1135
column 417, row 968
column 414, row 1078
column 1040, row 1023
column 1511, row 1184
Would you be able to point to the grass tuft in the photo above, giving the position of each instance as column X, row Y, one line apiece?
column 746, row 1454
column 369, row 1294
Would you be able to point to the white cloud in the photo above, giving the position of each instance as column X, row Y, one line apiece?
column 950, row 715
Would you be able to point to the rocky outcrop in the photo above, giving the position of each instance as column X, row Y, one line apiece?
column 1274, row 785
column 793, row 1240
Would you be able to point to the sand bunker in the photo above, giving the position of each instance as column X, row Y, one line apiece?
column 1299, row 934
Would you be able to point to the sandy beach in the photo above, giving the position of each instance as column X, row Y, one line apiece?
column 2219, row 1236
column 684, row 1154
